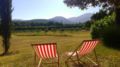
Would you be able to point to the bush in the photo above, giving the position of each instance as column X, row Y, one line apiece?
column 106, row 30
column 111, row 37
column 99, row 26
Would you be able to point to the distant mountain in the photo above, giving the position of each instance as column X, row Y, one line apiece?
column 60, row 19
column 33, row 20
column 82, row 18
column 18, row 20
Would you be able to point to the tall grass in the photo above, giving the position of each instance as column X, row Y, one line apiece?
column 21, row 53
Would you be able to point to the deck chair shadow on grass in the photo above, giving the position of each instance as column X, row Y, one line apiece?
column 46, row 51
column 86, row 47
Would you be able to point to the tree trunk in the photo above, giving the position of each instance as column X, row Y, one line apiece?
column 117, row 18
column 5, row 15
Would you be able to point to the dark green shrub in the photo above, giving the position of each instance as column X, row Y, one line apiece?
column 111, row 37
column 107, row 31
column 99, row 26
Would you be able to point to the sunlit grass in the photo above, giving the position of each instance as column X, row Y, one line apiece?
column 21, row 53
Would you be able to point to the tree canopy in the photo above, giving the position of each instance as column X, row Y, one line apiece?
column 99, row 15
column 86, row 3
column 106, row 4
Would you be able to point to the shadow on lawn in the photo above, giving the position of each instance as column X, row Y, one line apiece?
column 48, row 35
column 11, row 53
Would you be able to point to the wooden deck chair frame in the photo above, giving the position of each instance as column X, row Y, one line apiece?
column 69, row 59
column 40, row 59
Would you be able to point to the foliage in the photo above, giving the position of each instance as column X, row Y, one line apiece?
column 106, row 30
column 44, row 26
column 87, row 3
column 5, row 16
column 111, row 37
column 98, row 28
column 99, row 15
column 87, row 25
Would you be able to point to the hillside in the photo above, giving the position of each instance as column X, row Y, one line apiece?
column 80, row 19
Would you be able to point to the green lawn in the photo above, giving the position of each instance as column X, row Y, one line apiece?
column 21, row 53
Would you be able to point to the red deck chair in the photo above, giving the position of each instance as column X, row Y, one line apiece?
column 87, row 46
column 46, row 51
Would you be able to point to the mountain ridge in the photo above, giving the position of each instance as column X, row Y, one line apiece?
column 83, row 18
column 80, row 19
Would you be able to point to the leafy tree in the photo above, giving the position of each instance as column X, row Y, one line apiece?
column 106, row 4
column 87, row 25
column 99, row 15
column 5, row 15
column 99, row 26
column 106, row 30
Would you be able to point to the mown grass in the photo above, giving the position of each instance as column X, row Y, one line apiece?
column 21, row 53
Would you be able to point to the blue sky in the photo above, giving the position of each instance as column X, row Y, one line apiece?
column 45, row 9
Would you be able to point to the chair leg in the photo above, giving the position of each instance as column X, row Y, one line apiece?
column 35, row 62
column 58, row 63
column 66, row 63
column 96, row 58
column 39, row 62
column 92, row 61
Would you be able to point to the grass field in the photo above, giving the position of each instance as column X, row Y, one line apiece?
column 21, row 53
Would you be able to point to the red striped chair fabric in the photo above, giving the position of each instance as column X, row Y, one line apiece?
column 47, row 50
column 88, row 46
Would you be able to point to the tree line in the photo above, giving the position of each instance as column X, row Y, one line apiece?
column 46, row 26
